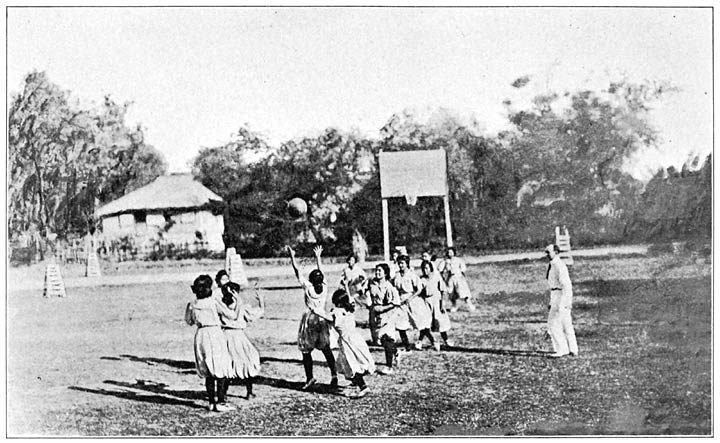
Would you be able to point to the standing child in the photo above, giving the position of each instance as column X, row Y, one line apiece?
column 212, row 360
column 353, row 278
column 394, row 255
column 432, row 292
column 221, row 278
column 354, row 281
column 413, row 312
column 354, row 358
column 384, row 299
column 245, row 357
column 314, row 332
column 453, row 268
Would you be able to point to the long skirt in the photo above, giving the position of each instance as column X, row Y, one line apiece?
column 419, row 314
column 440, row 320
column 413, row 315
column 386, row 324
column 354, row 356
column 458, row 287
column 245, row 357
column 212, row 358
column 314, row 333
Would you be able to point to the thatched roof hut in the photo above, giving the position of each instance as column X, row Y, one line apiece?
column 176, row 191
column 174, row 209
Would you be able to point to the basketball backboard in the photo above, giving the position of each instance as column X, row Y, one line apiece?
column 415, row 173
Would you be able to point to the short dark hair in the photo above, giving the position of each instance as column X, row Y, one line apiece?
column 385, row 268
column 427, row 263
column 404, row 258
column 347, row 260
column 341, row 299
column 316, row 277
column 221, row 273
column 226, row 288
column 202, row 286
column 230, row 286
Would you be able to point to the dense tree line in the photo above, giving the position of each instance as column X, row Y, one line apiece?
column 560, row 164
column 65, row 159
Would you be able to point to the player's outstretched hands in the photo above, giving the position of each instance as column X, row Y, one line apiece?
column 318, row 250
column 290, row 250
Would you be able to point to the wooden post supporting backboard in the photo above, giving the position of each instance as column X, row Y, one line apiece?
column 413, row 174
column 448, row 228
column 386, row 230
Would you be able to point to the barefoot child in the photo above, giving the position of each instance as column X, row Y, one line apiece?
column 245, row 357
column 314, row 332
column 212, row 360
column 354, row 358
column 384, row 301
column 433, row 289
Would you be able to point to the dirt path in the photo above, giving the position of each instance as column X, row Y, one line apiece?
column 33, row 278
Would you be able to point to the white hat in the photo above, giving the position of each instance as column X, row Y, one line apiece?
column 550, row 248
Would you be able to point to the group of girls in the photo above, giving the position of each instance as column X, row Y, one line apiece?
column 222, row 350
column 397, row 299
column 354, row 358
column 403, row 301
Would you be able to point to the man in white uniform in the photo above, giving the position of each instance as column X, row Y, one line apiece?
column 559, row 319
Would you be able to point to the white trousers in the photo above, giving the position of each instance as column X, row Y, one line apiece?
column 561, row 330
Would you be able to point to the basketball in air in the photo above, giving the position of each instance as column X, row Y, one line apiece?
column 297, row 207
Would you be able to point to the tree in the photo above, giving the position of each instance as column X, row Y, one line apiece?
column 256, row 181
column 571, row 156
column 480, row 179
column 327, row 171
column 675, row 205
column 63, row 159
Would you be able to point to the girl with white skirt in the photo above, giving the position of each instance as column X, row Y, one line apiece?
column 212, row 359
column 354, row 359
column 245, row 357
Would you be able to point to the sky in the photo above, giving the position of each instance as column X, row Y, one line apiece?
column 196, row 75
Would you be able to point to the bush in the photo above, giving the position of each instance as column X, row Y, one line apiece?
column 657, row 249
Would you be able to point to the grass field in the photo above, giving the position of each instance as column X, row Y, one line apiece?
column 117, row 361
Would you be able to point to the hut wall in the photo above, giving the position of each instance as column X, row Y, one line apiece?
column 187, row 229
column 197, row 225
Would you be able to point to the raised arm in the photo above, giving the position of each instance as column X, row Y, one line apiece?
column 291, row 251
column 251, row 313
column 231, row 314
column 318, row 252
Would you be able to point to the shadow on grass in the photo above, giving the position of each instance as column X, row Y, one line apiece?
column 513, row 352
column 292, row 360
column 296, row 385
column 141, row 397
column 158, row 388
column 186, row 366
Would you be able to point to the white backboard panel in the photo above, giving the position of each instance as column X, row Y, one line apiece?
column 418, row 173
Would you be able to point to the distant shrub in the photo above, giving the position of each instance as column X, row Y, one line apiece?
column 659, row 249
